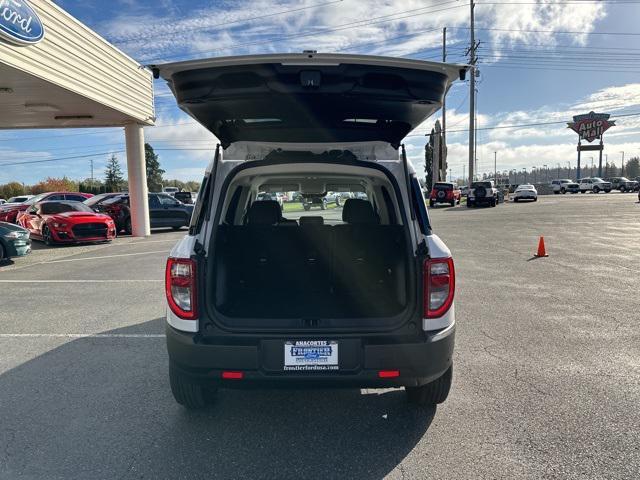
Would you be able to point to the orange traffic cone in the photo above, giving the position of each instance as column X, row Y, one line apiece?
column 542, row 252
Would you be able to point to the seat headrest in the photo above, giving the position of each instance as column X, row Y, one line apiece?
column 264, row 212
column 305, row 221
column 358, row 211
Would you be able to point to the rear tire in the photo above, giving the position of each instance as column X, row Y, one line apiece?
column 515, row 199
column 433, row 393
column 306, row 208
column 127, row 226
column 563, row 191
column 190, row 395
column 453, row 203
column 2, row 254
column 622, row 189
column 596, row 190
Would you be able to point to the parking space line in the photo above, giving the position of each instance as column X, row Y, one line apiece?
column 82, row 335
column 86, row 281
column 107, row 256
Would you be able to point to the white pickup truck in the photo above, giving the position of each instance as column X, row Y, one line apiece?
column 594, row 184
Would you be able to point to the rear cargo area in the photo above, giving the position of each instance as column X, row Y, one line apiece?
column 311, row 270
column 274, row 259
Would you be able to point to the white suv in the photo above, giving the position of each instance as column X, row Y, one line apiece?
column 564, row 185
column 594, row 184
column 369, row 297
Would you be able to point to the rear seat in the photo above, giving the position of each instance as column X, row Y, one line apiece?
column 292, row 268
column 368, row 254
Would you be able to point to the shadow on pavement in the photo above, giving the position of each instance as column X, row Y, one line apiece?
column 102, row 408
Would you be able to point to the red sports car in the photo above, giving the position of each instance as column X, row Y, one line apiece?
column 11, row 213
column 67, row 222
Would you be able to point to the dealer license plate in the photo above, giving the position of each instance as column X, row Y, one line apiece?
column 311, row 355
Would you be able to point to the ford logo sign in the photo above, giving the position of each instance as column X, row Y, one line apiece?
column 19, row 23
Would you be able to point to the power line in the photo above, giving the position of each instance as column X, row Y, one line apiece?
column 76, row 157
column 223, row 24
column 345, row 26
column 559, row 32
column 525, row 125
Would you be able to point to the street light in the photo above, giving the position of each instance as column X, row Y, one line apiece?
column 569, row 170
column 558, row 171
column 622, row 167
column 534, row 173
column 591, row 166
column 546, row 173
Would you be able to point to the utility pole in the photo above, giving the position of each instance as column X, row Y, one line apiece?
column 91, row 172
column 463, row 172
column 622, row 166
column 472, row 94
column 443, row 139
column 558, row 172
column 444, row 99
column 495, row 167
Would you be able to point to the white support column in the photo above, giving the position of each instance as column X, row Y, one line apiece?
column 137, row 173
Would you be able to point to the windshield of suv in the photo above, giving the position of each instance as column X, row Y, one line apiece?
column 443, row 186
column 481, row 184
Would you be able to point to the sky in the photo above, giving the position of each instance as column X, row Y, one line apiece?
column 539, row 61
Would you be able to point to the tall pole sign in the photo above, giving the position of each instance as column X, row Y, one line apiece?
column 590, row 127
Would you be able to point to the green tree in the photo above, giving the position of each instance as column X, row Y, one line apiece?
column 632, row 168
column 11, row 189
column 94, row 186
column 154, row 172
column 113, row 179
column 428, row 161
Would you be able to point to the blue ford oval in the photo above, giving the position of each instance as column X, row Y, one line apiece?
column 19, row 22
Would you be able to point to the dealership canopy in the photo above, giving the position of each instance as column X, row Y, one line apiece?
column 57, row 73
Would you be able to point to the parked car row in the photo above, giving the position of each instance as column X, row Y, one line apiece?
column 71, row 217
column 595, row 185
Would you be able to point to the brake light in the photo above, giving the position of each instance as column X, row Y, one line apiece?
column 439, row 286
column 233, row 375
column 389, row 373
column 180, row 287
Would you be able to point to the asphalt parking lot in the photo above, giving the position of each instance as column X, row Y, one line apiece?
column 546, row 380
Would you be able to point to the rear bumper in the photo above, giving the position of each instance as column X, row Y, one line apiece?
column 480, row 200
column 360, row 361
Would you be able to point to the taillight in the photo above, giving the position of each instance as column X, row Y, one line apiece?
column 439, row 286
column 180, row 287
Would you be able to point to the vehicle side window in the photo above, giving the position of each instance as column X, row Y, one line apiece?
column 420, row 207
column 153, row 201
column 74, row 198
column 167, row 201
column 55, row 197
